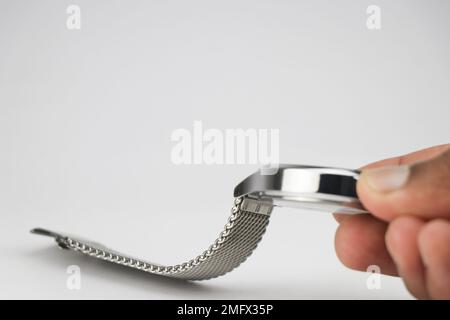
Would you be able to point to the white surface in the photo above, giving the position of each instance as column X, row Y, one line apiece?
column 86, row 118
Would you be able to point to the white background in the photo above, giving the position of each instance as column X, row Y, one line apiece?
column 86, row 118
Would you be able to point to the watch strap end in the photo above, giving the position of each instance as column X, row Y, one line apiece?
column 60, row 239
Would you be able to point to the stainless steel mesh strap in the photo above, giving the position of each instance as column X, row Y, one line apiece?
column 245, row 228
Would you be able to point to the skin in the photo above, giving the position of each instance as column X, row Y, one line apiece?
column 407, row 233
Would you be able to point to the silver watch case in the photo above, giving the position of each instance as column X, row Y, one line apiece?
column 310, row 187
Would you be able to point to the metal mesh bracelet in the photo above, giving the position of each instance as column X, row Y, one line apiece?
column 245, row 228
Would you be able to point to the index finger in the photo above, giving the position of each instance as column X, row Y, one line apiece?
column 410, row 158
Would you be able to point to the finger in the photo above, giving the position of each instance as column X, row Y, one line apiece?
column 410, row 158
column 359, row 243
column 401, row 241
column 421, row 190
column 339, row 217
column 434, row 247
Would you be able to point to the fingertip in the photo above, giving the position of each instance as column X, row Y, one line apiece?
column 395, row 233
column 401, row 243
column 433, row 232
column 373, row 201
column 399, row 235
column 341, row 240
column 433, row 243
column 359, row 243
column 420, row 189
column 339, row 217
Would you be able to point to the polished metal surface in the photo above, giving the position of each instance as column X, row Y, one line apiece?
column 318, row 188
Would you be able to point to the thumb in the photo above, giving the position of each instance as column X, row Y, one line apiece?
column 421, row 189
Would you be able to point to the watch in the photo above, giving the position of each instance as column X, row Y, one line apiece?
column 310, row 187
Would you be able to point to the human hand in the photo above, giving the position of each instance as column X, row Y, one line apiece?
column 407, row 233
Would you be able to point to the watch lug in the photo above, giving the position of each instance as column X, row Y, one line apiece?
column 257, row 206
